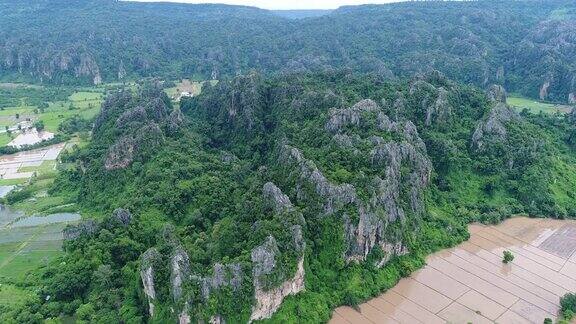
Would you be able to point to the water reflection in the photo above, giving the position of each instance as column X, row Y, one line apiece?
column 45, row 220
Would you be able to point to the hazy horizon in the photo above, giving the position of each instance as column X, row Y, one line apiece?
column 284, row 4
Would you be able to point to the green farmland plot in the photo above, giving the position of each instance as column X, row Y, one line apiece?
column 85, row 104
column 536, row 107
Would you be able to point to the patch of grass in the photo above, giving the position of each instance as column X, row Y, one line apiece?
column 34, row 247
column 536, row 107
column 85, row 96
column 45, row 167
column 41, row 205
column 11, row 295
column 12, row 182
column 5, row 139
column 24, row 261
column 53, row 117
column 193, row 87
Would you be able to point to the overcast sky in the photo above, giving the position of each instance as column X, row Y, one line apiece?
column 285, row 4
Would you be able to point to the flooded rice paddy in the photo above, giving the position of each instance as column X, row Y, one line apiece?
column 471, row 284
column 30, row 137
column 4, row 190
column 13, row 166
column 27, row 242
column 32, row 221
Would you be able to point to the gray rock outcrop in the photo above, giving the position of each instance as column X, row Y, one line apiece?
column 371, row 228
column 543, row 94
column 134, row 115
column 223, row 275
column 496, row 93
column 433, row 100
column 148, row 260
column 494, row 126
column 335, row 196
column 180, row 272
column 149, row 137
column 275, row 198
column 340, row 118
column 174, row 121
column 122, row 216
column 86, row 227
column 405, row 175
column 268, row 299
column 121, row 154
column 440, row 110
column 157, row 109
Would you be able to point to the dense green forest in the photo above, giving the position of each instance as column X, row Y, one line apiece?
column 331, row 154
column 336, row 182
column 528, row 46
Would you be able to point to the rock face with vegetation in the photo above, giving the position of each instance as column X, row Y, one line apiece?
column 277, row 198
column 149, row 261
column 496, row 93
column 527, row 45
column 494, row 125
column 365, row 227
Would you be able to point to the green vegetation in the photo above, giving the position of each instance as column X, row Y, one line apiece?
column 12, row 295
column 507, row 257
column 568, row 306
column 536, row 107
column 343, row 156
column 46, row 108
column 197, row 182
column 523, row 45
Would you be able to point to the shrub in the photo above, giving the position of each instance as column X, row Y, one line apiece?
column 39, row 125
column 568, row 306
column 508, row 257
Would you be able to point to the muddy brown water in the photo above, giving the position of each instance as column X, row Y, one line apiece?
column 470, row 284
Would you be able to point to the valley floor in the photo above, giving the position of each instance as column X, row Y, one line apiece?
column 471, row 284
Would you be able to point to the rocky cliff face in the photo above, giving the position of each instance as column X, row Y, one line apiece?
column 266, row 271
column 180, row 265
column 433, row 99
column 542, row 54
column 87, row 227
column 494, row 125
column 339, row 118
column 268, row 301
column 74, row 60
column 368, row 227
column 143, row 127
column 121, row 154
column 496, row 94
column 149, row 259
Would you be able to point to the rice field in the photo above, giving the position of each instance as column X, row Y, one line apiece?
column 29, row 240
column 471, row 284
column 26, row 243
column 83, row 102
column 537, row 107
column 24, row 165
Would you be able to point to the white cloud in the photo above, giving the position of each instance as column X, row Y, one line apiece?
column 285, row 4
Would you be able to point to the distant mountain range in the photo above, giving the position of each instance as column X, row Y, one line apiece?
column 528, row 46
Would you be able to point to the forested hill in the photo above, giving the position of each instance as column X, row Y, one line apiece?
column 277, row 199
column 529, row 46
